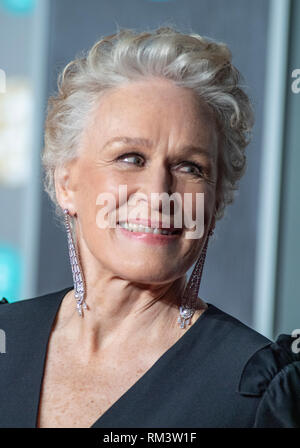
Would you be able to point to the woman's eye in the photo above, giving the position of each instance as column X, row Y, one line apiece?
column 135, row 159
column 192, row 168
column 138, row 160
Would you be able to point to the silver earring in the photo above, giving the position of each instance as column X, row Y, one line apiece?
column 76, row 268
column 190, row 296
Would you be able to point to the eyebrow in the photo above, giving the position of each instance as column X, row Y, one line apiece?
column 136, row 141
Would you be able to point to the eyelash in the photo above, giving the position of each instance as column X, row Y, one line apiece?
column 137, row 154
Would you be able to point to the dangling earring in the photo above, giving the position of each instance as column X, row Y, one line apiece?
column 76, row 268
column 190, row 296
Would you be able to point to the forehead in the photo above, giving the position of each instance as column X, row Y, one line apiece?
column 155, row 110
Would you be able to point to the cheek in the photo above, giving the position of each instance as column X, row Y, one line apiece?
column 87, row 196
column 198, row 202
column 90, row 183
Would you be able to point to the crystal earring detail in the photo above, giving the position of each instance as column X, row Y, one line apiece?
column 190, row 296
column 76, row 268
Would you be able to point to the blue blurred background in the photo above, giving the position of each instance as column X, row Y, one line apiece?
column 252, row 266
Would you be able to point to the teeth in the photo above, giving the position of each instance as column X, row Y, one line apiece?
column 132, row 227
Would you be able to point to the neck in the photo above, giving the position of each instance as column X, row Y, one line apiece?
column 119, row 310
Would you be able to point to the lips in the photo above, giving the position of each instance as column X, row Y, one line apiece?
column 152, row 225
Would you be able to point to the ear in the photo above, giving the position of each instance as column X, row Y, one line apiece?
column 65, row 193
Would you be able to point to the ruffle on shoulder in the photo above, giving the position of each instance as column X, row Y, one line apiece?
column 273, row 372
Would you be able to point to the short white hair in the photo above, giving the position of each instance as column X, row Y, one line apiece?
column 189, row 60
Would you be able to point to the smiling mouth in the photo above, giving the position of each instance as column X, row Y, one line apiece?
column 132, row 227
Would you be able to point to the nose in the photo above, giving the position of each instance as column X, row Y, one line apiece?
column 158, row 179
column 158, row 183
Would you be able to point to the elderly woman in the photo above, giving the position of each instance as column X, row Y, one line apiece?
column 131, row 344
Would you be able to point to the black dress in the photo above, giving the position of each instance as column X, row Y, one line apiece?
column 219, row 374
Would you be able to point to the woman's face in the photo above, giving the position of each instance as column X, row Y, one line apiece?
column 151, row 137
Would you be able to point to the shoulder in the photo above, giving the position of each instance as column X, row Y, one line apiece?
column 233, row 342
column 266, row 371
column 30, row 308
column 239, row 337
column 273, row 373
